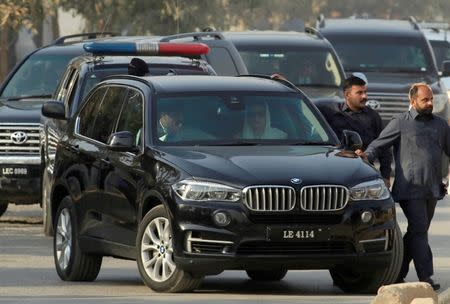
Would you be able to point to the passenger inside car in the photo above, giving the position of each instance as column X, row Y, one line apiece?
column 257, row 124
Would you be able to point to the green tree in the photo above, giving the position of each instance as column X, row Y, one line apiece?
column 15, row 14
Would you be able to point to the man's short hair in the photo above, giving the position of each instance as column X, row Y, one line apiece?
column 415, row 88
column 138, row 67
column 351, row 81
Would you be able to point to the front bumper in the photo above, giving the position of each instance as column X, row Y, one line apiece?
column 248, row 241
column 20, row 182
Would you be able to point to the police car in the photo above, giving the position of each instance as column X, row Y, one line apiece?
column 102, row 60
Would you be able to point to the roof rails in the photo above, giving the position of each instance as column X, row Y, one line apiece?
column 94, row 35
column 276, row 77
column 194, row 36
column 320, row 22
column 313, row 31
column 435, row 26
column 414, row 22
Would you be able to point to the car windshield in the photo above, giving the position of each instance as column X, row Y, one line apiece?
column 38, row 76
column 241, row 119
column 382, row 54
column 441, row 51
column 314, row 67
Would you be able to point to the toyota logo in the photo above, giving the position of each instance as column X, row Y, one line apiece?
column 374, row 104
column 19, row 137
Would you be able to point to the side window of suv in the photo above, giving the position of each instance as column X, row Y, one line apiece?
column 131, row 116
column 107, row 113
column 88, row 112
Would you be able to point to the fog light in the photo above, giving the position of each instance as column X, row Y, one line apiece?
column 366, row 216
column 221, row 218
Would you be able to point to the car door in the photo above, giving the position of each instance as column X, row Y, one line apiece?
column 95, row 124
column 125, row 179
column 54, row 129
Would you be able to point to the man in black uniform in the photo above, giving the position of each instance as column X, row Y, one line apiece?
column 354, row 115
column 418, row 138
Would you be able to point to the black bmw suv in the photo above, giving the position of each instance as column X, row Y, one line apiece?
column 193, row 175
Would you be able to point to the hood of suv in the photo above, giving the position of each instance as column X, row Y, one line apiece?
column 23, row 111
column 269, row 165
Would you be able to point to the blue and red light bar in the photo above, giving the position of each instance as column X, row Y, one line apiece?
column 146, row 48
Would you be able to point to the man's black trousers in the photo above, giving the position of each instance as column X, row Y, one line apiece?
column 416, row 248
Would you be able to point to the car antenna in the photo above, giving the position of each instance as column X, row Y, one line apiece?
column 106, row 24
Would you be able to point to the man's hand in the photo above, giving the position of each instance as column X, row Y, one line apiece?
column 387, row 182
column 361, row 154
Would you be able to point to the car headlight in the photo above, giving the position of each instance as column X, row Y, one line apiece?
column 193, row 190
column 440, row 102
column 372, row 190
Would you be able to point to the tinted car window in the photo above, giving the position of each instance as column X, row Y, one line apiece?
column 87, row 114
column 107, row 113
column 382, row 54
column 220, row 119
column 130, row 118
column 222, row 62
column 39, row 75
column 300, row 66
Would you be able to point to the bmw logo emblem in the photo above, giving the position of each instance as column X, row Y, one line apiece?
column 296, row 180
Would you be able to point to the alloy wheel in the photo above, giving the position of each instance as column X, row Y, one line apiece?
column 64, row 239
column 157, row 250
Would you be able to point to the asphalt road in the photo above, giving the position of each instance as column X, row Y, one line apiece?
column 27, row 273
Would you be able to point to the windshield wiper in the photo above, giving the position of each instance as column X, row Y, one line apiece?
column 311, row 143
column 28, row 97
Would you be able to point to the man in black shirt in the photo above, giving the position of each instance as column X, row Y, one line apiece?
column 418, row 138
column 354, row 115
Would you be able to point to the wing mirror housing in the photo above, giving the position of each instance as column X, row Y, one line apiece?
column 54, row 109
column 122, row 141
column 446, row 68
column 351, row 140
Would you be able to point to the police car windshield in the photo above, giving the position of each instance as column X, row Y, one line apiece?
column 243, row 119
column 38, row 76
column 383, row 54
column 310, row 67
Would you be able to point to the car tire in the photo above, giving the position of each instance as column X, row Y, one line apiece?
column 46, row 210
column 3, row 207
column 353, row 281
column 267, row 275
column 154, row 245
column 72, row 264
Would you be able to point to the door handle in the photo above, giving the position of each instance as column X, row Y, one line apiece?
column 105, row 163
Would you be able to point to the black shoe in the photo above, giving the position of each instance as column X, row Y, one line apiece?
column 436, row 286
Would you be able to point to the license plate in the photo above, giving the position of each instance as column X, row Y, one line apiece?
column 298, row 234
column 14, row 171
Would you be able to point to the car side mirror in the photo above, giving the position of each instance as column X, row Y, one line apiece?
column 54, row 109
column 122, row 141
column 446, row 68
column 351, row 140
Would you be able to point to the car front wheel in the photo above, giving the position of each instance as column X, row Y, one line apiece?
column 155, row 255
column 350, row 279
column 72, row 264
column 46, row 210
